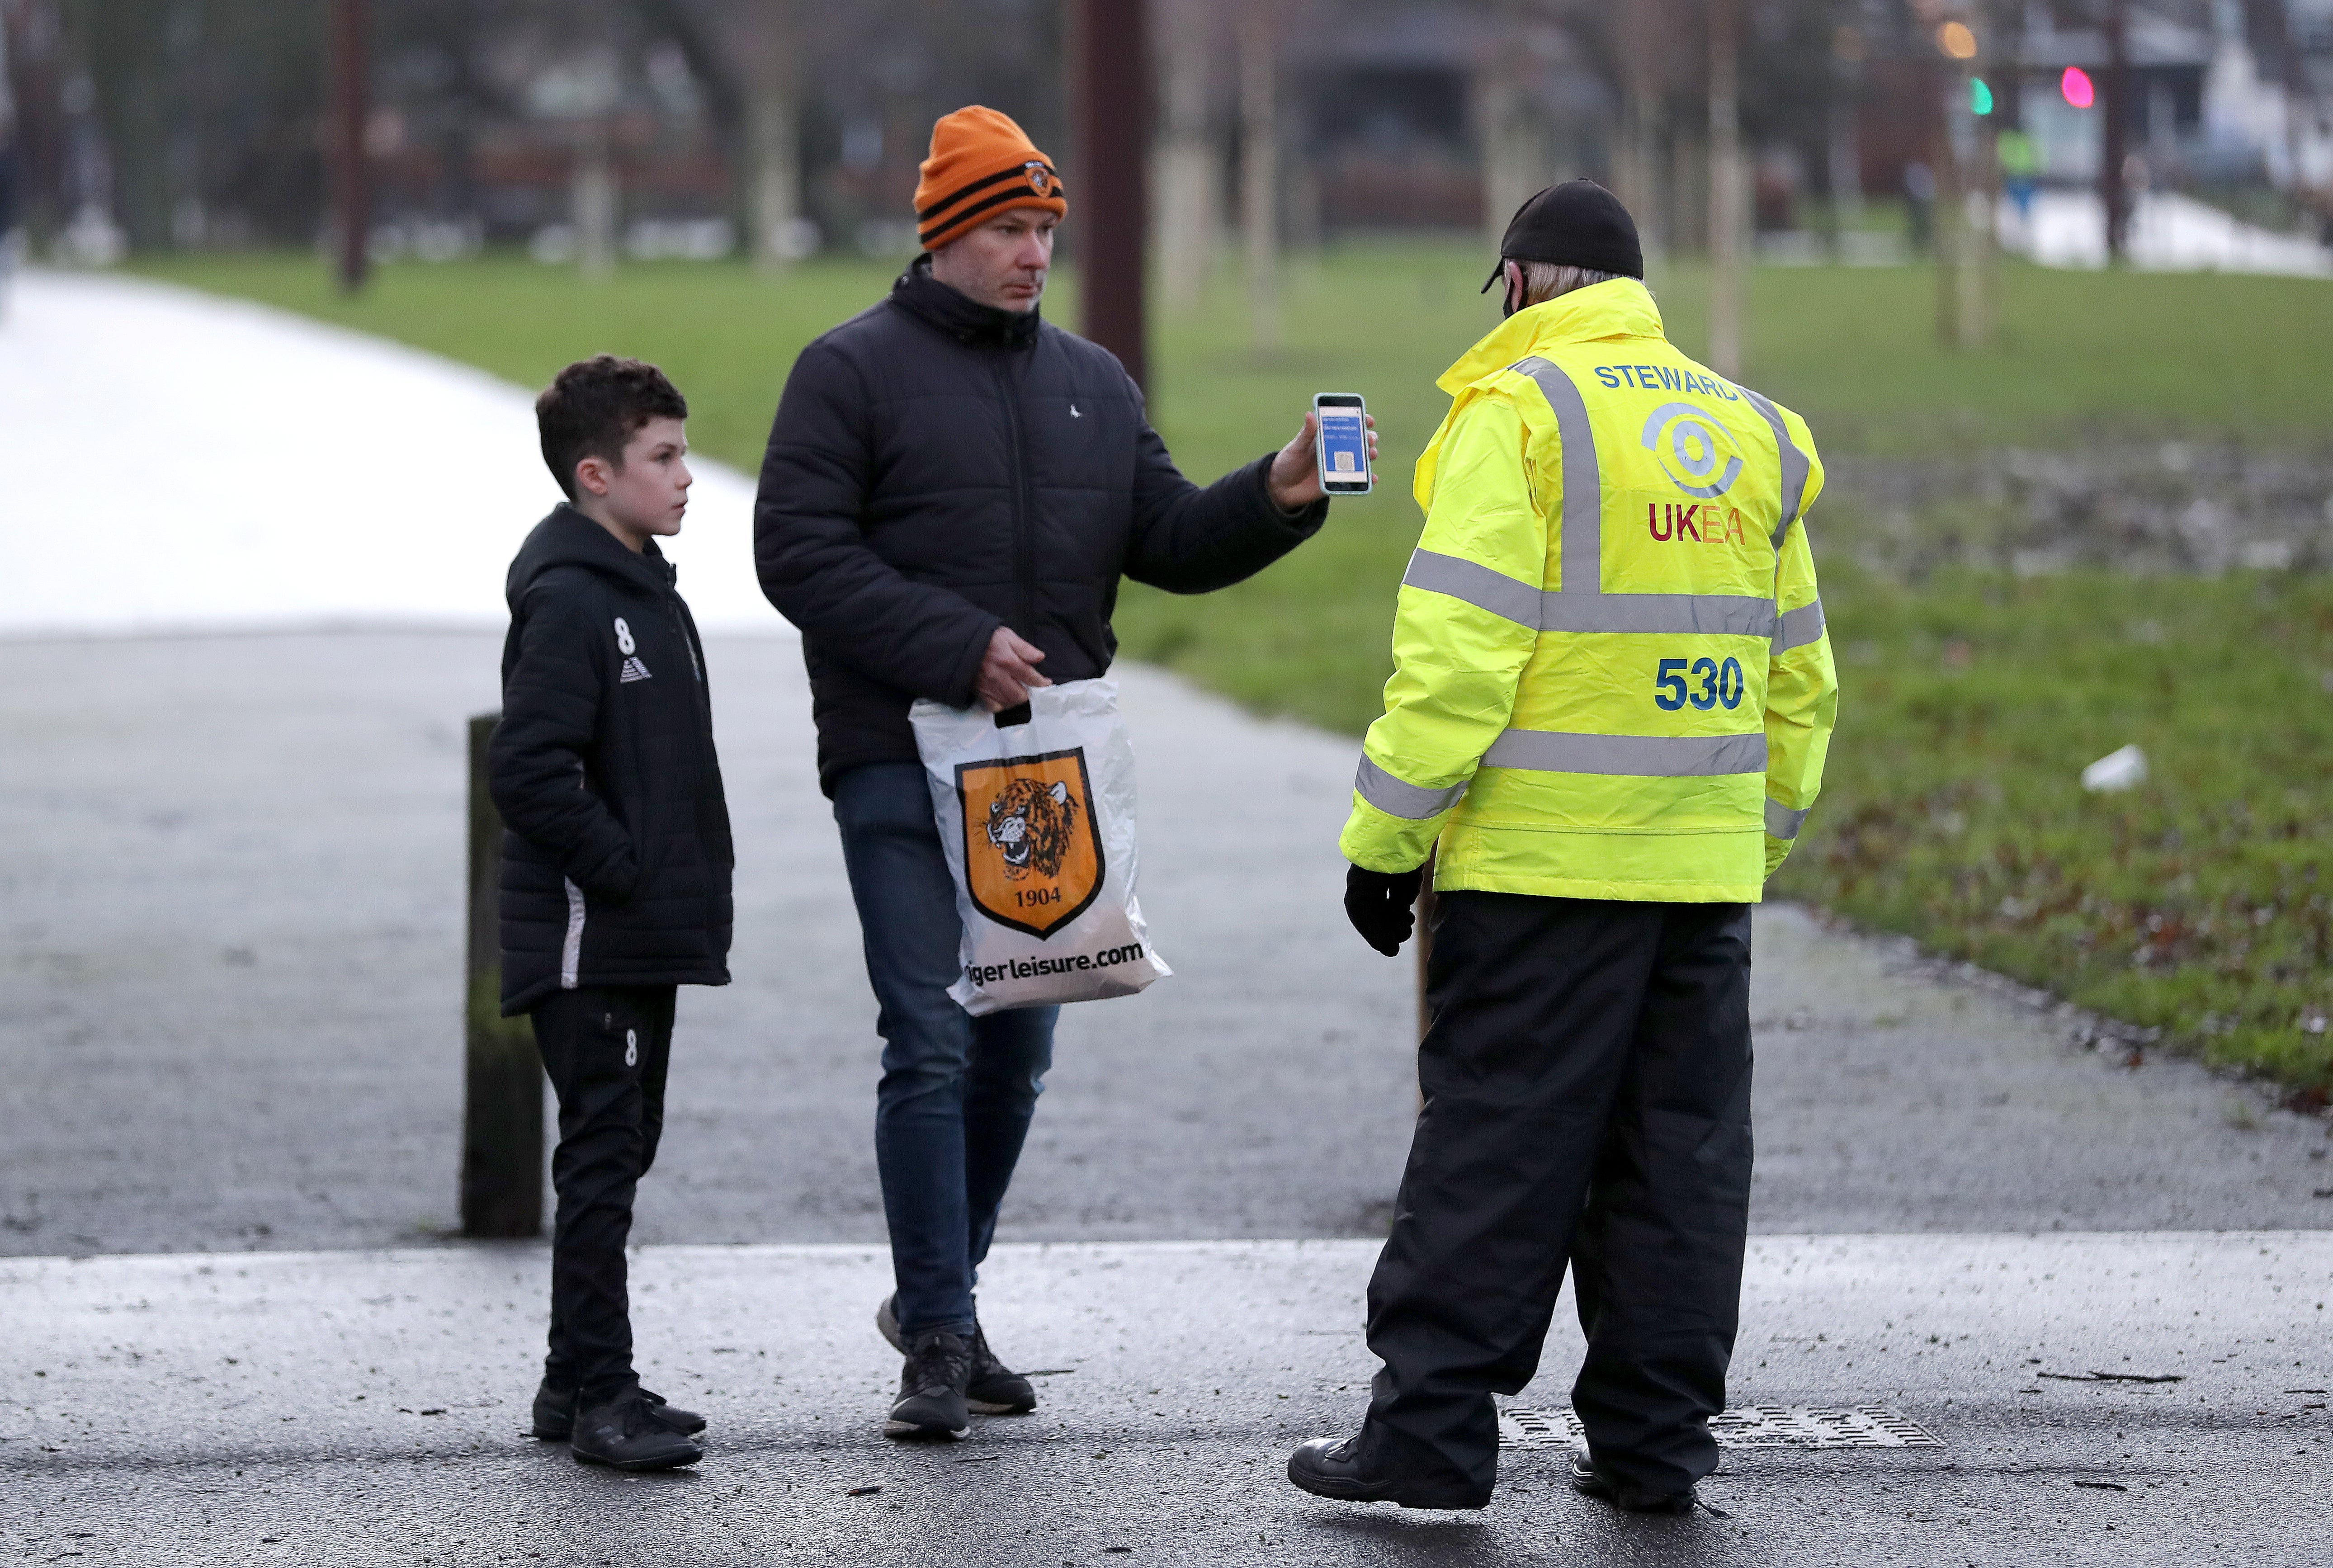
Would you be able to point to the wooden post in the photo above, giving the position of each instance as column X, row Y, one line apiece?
column 351, row 188
column 502, row 1090
column 1111, row 183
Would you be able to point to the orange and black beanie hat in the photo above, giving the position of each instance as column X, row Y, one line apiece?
column 981, row 164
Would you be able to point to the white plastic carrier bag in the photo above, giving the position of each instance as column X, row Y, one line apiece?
column 1037, row 817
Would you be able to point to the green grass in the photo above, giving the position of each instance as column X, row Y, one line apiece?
column 1970, row 704
column 1953, row 809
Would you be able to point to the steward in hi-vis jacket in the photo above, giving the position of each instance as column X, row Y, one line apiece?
column 1612, row 700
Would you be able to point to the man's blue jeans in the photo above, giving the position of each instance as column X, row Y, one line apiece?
column 958, row 1092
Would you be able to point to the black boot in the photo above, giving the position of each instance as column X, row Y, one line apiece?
column 1364, row 1468
column 1589, row 1482
column 625, row 1433
column 554, row 1414
column 994, row 1388
column 931, row 1390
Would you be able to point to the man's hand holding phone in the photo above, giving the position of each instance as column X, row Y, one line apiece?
column 1294, row 480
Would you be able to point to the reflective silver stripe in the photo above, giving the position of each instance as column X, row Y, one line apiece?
column 1583, row 481
column 1795, row 466
column 570, row 953
column 1783, row 822
column 1477, row 585
column 1799, row 628
column 1397, row 799
column 1636, row 756
column 1704, row 614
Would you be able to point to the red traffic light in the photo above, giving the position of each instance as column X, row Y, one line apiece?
column 2078, row 88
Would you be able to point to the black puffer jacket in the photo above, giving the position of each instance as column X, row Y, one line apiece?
column 615, row 865
column 939, row 467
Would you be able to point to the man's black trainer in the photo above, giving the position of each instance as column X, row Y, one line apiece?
column 554, row 1414
column 931, row 1390
column 994, row 1389
column 625, row 1433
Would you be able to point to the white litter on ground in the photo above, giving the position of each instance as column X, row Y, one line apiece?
column 2121, row 769
column 181, row 462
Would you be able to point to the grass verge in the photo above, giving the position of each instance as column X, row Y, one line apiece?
column 1953, row 811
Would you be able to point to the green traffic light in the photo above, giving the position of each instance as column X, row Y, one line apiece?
column 1980, row 96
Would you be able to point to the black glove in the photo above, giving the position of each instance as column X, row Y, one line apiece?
column 1379, row 905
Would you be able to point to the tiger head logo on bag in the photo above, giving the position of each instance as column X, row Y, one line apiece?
column 1032, row 857
column 1031, row 825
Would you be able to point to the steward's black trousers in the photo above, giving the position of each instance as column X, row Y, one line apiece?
column 1587, row 1084
column 606, row 1049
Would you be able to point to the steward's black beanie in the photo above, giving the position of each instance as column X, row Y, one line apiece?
column 1577, row 224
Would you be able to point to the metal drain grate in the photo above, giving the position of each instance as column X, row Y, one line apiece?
column 1750, row 1427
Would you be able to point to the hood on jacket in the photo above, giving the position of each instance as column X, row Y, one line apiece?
column 1618, row 308
column 569, row 538
column 959, row 315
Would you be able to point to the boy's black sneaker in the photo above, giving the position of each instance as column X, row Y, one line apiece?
column 1589, row 1482
column 554, row 1414
column 931, row 1401
column 625, row 1432
column 994, row 1389
column 1360, row 1470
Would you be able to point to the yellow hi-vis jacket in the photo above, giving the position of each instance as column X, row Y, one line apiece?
column 1611, row 679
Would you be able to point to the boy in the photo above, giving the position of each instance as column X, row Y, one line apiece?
column 615, row 879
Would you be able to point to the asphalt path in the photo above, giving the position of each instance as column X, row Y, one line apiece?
column 229, row 1033
column 230, row 939
column 357, row 1408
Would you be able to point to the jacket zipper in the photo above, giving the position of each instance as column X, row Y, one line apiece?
column 704, row 699
column 1024, row 543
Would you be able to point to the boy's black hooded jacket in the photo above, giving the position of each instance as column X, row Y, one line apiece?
column 615, row 865
column 939, row 467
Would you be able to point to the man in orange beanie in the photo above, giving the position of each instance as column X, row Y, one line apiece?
column 952, row 489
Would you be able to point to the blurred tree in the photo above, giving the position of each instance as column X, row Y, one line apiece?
column 210, row 111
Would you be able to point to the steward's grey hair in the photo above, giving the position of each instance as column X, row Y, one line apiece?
column 1545, row 281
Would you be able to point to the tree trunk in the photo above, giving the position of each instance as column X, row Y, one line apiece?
column 1259, row 168
column 1111, row 99
column 35, row 49
column 2114, row 143
column 1845, row 160
column 594, row 199
column 1514, row 152
column 1644, row 35
column 1728, row 236
column 1189, row 205
column 773, row 172
column 351, row 185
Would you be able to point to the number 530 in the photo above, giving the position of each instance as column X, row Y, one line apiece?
column 1720, row 683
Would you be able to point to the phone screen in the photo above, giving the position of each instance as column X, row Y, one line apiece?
column 1344, row 445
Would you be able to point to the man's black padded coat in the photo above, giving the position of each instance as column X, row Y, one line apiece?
column 616, row 865
column 939, row 469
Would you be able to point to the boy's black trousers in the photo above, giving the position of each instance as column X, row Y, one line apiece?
column 1586, row 1075
column 606, row 1049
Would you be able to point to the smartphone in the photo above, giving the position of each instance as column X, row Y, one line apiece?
column 1344, row 444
